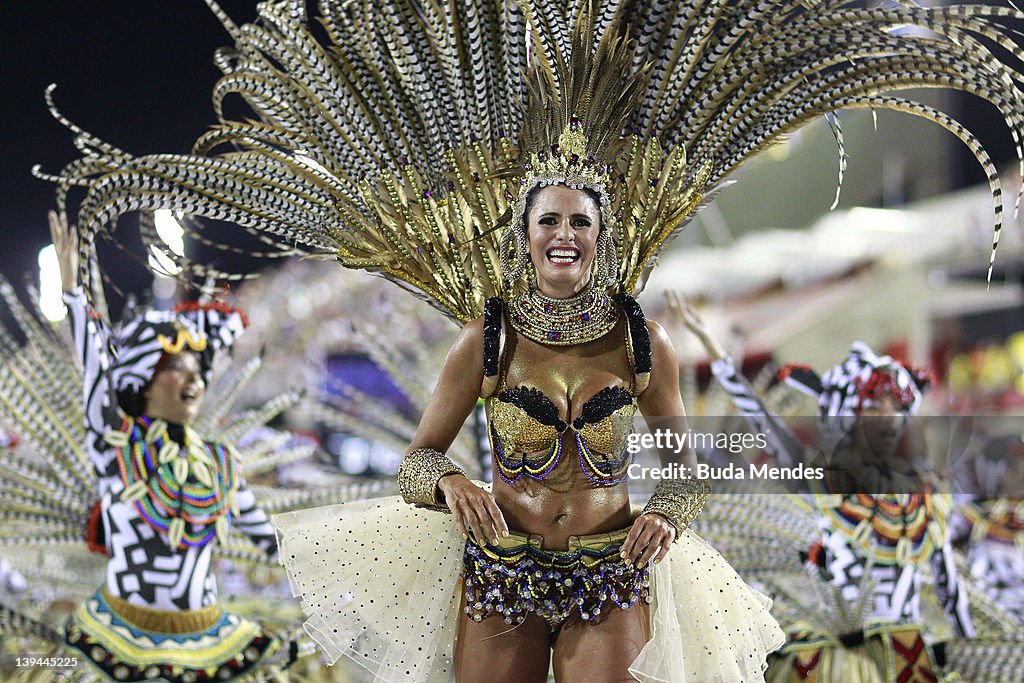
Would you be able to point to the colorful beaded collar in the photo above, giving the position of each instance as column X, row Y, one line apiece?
column 589, row 315
column 186, row 492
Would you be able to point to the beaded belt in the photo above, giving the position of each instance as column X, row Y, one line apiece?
column 516, row 577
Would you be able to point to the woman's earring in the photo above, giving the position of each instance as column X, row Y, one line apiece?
column 513, row 249
column 605, row 266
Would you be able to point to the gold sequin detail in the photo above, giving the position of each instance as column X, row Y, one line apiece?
column 521, row 433
column 679, row 500
column 419, row 473
column 518, row 432
column 610, row 435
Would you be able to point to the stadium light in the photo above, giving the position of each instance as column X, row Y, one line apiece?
column 50, row 285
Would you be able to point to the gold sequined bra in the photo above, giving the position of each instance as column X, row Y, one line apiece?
column 526, row 429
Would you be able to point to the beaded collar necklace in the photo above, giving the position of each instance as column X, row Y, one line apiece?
column 582, row 318
column 185, row 491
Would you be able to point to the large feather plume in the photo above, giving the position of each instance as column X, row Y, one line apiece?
column 393, row 144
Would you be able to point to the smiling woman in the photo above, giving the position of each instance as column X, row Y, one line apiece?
column 563, row 225
column 168, row 496
column 551, row 567
column 177, row 388
column 557, row 570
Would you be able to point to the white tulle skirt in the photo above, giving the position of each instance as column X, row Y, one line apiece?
column 379, row 582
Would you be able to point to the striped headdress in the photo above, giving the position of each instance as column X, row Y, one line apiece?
column 146, row 339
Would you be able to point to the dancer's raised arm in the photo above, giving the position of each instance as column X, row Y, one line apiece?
column 781, row 442
column 91, row 339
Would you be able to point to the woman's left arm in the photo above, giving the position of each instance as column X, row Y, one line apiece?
column 662, row 407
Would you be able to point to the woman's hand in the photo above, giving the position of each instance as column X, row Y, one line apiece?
column 473, row 508
column 649, row 539
column 65, row 242
column 691, row 320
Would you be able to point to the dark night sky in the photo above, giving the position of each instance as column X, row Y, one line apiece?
column 136, row 73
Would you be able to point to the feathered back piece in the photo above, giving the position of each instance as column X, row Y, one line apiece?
column 400, row 142
column 594, row 87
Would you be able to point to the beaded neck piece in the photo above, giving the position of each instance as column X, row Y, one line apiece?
column 585, row 317
column 895, row 529
column 998, row 520
column 186, row 491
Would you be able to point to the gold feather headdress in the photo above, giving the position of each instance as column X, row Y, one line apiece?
column 404, row 141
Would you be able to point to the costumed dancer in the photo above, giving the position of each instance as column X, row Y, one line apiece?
column 408, row 143
column 48, row 487
column 573, row 573
column 990, row 524
column 167, row 497
column 882, row 525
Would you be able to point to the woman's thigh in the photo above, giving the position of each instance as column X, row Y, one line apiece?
column 586, row 651
column 491, row 650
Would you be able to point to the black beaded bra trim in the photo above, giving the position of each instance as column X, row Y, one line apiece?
column 601, row 405
column 534, row 403
column 537, row 405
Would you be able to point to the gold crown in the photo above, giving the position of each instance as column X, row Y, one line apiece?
column 566, row 163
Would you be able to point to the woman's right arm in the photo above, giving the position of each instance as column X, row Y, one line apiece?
column 90, row 339
column 781, row 442
column 451, row 403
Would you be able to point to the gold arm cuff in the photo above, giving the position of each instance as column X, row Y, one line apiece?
column 678, row 500
column 418, row 476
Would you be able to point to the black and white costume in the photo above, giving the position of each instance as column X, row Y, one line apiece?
column 156, row 615
column 896, row 587
column 879, row 542
column 989, row 523
column 142, row 568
